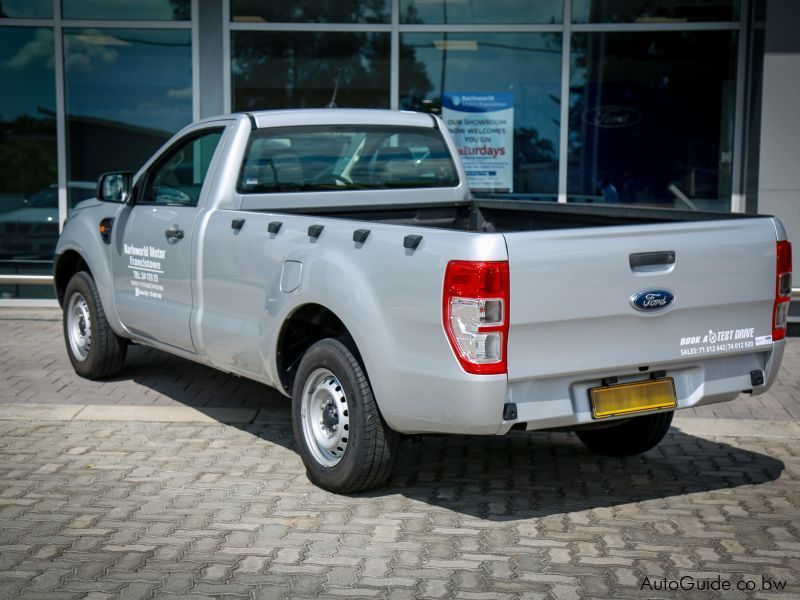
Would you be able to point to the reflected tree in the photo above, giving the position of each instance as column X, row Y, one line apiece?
column 27, row 154
column 311, row 11
column 530, row 147
column 299, row 70
column 181, row 10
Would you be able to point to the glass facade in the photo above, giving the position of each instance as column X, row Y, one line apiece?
column 311, row 11
column 127, row 10
column 302, row 69
column 89, row 99
column 651, row 118
column 525, row 65
column 26, row 9
column 476, row 12
column 650, row 11
column 602, row 101
column 28, row 155
column 123, row 84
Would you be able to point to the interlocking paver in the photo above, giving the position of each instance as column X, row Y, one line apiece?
column 734, row 522
column 130, row 509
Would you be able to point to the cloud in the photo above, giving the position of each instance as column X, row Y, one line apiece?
column 100, row 39
column 85, row 52
column 37, row 52
column 180, row 93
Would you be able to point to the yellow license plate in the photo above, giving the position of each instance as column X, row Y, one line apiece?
column 627, row 398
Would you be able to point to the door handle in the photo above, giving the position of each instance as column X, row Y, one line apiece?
column 652, row 261
column 173, row 233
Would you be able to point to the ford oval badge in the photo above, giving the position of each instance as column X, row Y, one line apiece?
column 652, row 300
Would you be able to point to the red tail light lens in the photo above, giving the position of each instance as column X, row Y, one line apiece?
column 783, row 290
column 475, row 313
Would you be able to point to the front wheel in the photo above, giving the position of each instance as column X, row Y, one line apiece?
column 94, row 350
column 344, row 442
column 634, row 436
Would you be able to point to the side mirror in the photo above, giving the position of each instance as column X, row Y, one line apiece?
column 114, row 187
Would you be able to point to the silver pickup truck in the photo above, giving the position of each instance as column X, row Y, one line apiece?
column 339, row 257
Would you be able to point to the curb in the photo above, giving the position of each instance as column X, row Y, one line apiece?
column 697, row 426
column 138, row 413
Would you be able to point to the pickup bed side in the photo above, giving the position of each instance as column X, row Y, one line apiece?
column 388, row 298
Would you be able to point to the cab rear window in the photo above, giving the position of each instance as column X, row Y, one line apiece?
column 308, row 159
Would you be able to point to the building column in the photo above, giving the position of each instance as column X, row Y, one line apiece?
column 211, row 69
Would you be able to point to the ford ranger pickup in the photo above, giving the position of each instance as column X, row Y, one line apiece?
column 338, row 256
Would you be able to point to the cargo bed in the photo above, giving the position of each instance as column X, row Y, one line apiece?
column 499, row 216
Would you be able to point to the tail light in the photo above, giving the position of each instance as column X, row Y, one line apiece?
column 475, row 314
column 783, row 290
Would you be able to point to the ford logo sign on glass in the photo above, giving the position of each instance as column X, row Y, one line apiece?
column 652, row 300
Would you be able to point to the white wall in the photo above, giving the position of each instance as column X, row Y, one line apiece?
column 779, row 167
column 779, row 161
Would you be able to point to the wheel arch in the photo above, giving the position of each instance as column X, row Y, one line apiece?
column 323, row 309
column 67, row 264
column 72, row 257
column 307, row 324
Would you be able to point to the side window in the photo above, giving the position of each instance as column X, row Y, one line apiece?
column 177, row 179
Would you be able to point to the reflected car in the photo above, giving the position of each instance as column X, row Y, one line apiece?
column 31, row 232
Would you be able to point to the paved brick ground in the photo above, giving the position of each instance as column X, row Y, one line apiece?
column 134, row 510
column 113, row 509
column 34, row 369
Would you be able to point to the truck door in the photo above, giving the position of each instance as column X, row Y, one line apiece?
column 152, row 250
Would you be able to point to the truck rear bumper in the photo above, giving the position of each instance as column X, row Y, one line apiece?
column 564, row 401
column 428, row 402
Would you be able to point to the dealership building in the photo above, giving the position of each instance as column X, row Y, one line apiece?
column 688, row 104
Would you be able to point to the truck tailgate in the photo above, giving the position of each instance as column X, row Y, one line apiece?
column 571, row 290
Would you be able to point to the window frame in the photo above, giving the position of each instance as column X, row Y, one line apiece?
column 145, row 185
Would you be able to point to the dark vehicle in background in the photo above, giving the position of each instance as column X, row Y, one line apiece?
column 31, row 231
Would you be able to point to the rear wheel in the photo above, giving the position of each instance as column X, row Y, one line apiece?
column 634, row 436
column 94, row 350
column 344, row 442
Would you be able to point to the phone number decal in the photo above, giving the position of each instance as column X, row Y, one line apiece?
column 723, row 340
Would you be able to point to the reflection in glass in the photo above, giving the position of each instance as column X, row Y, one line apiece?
column 528, row 65
column 26, row 9
column 127, row 92
column 481, row 11
column 302, row 70
column 650, row 11
column 651, row 118
column 310, row 11
column 28, row 175
column 124, row 10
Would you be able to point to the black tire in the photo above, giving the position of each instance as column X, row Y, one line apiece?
column 367, row 459
column 635, row 436
column 105, row 352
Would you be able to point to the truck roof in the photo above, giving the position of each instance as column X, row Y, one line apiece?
column 340, row 116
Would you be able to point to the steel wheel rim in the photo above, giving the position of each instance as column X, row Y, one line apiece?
column 325, row 416
column 79, row 326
